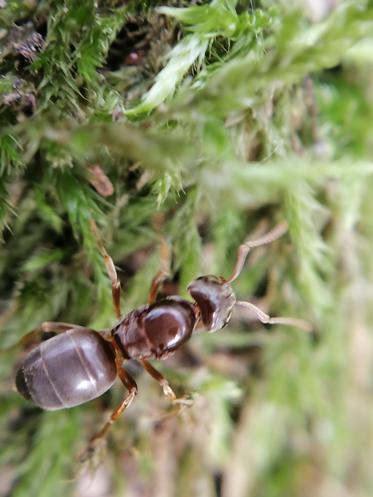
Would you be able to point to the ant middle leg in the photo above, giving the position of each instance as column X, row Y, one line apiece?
column 110, row 269
column 266, row 319
column 163, row 273
column 167, row 390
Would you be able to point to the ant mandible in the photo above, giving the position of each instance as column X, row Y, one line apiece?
column 81, row 363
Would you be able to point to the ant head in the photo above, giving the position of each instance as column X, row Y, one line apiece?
column 215, row 299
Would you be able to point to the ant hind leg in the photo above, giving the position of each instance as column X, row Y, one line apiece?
column 97, row 440
column 34, row 337
column 110, row 269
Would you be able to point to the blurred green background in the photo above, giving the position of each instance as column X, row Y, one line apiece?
column 207, row 123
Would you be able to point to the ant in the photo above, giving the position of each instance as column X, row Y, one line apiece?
column 81, row 364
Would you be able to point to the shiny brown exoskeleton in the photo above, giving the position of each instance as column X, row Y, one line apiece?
column 80, row 364
column 67, row 370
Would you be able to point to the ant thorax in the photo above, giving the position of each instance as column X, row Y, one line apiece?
column 155, row 330
column 215, row 299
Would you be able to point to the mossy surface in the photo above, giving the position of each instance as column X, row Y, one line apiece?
column 204, row 122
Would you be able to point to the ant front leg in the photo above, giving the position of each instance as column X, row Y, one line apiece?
column 131, row 386
column 162, row 274
column 266, row 319
column 110, row 269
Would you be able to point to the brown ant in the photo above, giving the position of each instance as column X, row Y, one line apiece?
column 81, row 364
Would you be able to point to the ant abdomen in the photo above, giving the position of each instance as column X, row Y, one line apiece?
column 67, row 370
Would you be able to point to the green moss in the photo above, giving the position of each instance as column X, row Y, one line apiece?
column 219, row 118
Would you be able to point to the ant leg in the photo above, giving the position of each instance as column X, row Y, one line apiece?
column 266, row 319
column 59, row 327
column 167, row 390
column 162, row 274
column 110, row 269
column 35, row 336
column 131, row 386
column 245, row 248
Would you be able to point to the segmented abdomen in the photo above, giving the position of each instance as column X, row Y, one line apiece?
column 67, row 370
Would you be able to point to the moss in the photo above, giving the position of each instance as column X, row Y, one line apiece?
column 219, row 119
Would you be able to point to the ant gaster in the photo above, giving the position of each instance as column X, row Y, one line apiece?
column 81, row 364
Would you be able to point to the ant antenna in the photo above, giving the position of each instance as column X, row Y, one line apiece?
column 242, row 253
column 266, row 319
column 245, row 248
